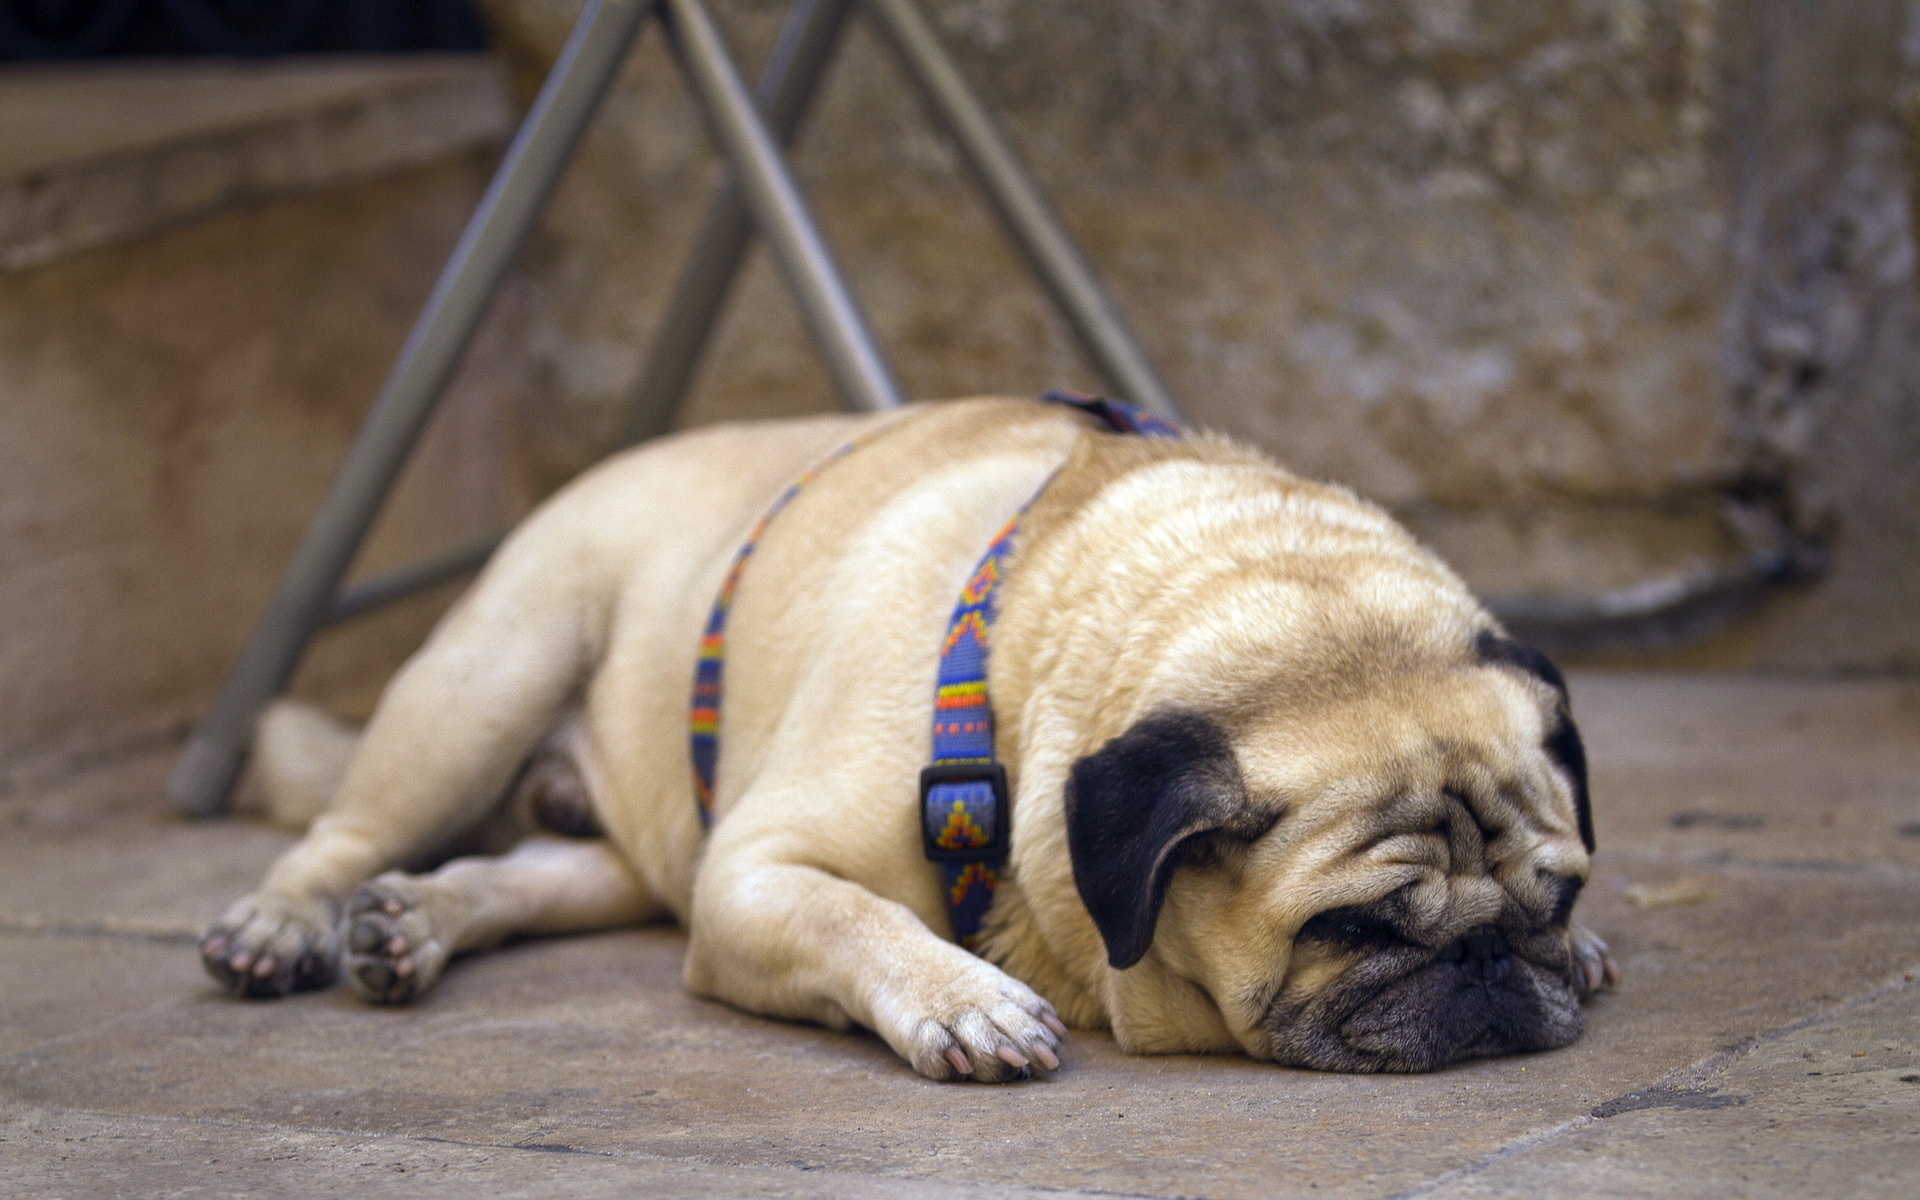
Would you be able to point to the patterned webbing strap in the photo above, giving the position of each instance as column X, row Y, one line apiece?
column 963, row 794
column 703, row 718
column 964, row 805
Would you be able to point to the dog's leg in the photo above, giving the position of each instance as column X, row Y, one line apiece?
column 401, row 929
column 298, row 758
column 451, row 729
column 794, row 941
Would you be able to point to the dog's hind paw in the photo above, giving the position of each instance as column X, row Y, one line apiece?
column 267, row 945
column 991, row 1030
column 394, row 955
column 1593, row 967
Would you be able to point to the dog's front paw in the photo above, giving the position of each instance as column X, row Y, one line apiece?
column 985, row 1026
column 267, row 945
column 394, row 952
column 1593, row 967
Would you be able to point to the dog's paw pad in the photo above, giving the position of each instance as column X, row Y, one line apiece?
column 393, row 954
column 1593, row 967
column 267, row 946
column 1008, row 1034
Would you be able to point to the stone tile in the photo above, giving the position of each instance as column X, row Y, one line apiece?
column 1831, row 1109
column 64, row 1154
column 103, row 853
column 1710, row 768
column 54, row 987
column 590, row 1043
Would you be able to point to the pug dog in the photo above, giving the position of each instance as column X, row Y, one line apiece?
column 1280, row 786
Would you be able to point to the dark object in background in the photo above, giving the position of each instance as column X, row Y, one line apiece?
column 70, row 29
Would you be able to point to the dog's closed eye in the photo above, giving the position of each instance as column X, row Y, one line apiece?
column 1352, row 928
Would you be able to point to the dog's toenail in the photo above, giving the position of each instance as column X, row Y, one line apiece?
column 958, row 1057
column 240, row 961
column 264, row 967
column 403, row 968
column 366, row 936
column 1010, row 1056
column 396, row 945
column 392, row 906
column 1048, row 1058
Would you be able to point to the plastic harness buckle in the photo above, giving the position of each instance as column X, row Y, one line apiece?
column 964, row 811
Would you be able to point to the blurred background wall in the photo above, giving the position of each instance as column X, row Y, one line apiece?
column 206, row 268
column 1596, row 294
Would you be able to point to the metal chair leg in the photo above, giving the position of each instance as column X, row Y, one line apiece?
column 760, row 187
column 1023, row 209
column 593, row 54
column 832, row 314
column 806, row 44
column 788, row 83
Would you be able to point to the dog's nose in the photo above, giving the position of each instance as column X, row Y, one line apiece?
column 1480, row 953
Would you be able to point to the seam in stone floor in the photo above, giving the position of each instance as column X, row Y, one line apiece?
column 560, row 1148
column 1688, row 1079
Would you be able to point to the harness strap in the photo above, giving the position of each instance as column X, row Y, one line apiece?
column 703, row 716
column 965, row 809
column 963, row 793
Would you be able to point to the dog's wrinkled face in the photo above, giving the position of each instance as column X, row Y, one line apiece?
column 1377, row 882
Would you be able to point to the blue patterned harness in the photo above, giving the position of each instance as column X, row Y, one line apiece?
column 964, row 804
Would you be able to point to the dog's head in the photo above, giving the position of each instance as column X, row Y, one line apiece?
column 1374, row 875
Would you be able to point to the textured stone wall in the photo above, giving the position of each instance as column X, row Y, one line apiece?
column 1592, row 292
column 171, row 410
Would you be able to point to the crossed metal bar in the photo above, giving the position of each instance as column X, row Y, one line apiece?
column 758, row 193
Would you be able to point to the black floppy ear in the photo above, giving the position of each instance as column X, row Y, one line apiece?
column 1563, row 744
column 1132, row 807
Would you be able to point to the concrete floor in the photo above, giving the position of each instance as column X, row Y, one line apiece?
column 1759, row 877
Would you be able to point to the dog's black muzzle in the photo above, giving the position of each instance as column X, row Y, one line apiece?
column 1481, row 955
column 1404, row 1008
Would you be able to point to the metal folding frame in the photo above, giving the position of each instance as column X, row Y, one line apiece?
column 758, row 193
